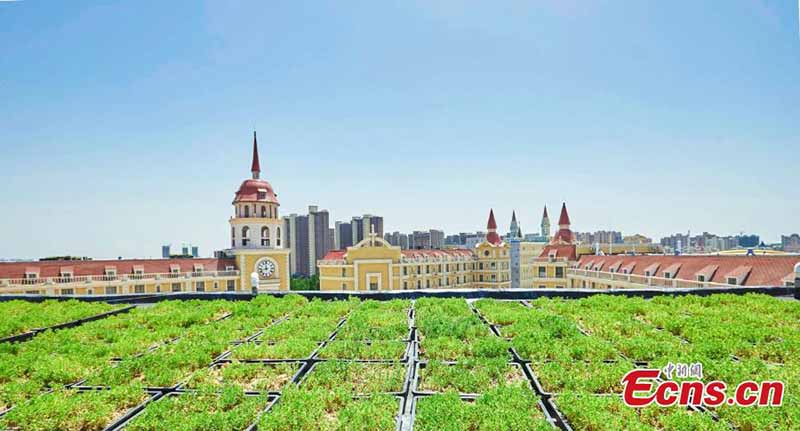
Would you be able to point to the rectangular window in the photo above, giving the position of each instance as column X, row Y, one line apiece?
column 542, row 272
column 701, row 278
column 559, row 272
column 158, row 288
column 231, row 285
column 344, row 272
column 176, row 287
column 732, row 281
column 541, row 286
column 405, row 270
column 67, row 292
column 344, row 286
column 373, row 285
column 139, row 288
column 200, row 286
column 111, row 290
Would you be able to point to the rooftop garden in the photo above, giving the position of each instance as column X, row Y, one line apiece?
column 287, row 363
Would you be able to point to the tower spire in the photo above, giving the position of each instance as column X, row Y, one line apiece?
column 492, row 236
column 255, row 168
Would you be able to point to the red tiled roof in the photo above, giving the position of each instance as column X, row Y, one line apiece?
column 564, row 218
column 764, row 270
column 561, row 250
column 564, row 235
column 335, row 255
column 248, row 192
column 97, row 267
column 615, row 266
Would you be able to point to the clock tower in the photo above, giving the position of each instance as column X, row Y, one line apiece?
column 257, row 239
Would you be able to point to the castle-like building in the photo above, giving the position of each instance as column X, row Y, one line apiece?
column 258, row 259
column 374, row 264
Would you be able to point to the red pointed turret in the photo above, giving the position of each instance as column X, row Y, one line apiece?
column 256, row 166
column 492, row 237
column 491, row 224
column 564, row 234
column 563, row 220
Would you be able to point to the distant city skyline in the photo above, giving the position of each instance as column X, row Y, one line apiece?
column 128, row 125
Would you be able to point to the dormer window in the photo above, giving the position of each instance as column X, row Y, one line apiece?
column 65, row 274
column 667, row 275
column 647, row 273
column 701, row 278
column 733, row 281
column 110, row 272
column 262, row 196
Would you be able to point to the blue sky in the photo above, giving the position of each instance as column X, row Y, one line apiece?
column 126, row 125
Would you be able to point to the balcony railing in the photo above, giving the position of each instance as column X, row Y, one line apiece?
column 618, row 279
column 105, row 279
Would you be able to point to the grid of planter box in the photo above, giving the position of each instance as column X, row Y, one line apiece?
column 289, row 363
column 355, row 378
column 577, row 351
column 121, row 371
column 466, row 376
column 22, row 320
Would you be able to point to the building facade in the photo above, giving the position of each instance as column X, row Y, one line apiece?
column 790, row 243
column 375, row 264
column 309, row 238
column 257, row 259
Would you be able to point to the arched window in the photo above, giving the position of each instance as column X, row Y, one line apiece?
column 277, row 237
column 263, row 211
column 245, row 235
column 247, row 211
column 265, row 236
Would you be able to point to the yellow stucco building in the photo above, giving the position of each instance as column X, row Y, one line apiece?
column 374, row 264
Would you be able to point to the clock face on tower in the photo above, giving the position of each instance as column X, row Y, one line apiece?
column 265, row 268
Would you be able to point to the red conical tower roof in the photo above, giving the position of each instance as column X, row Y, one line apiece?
column 564, row 219
column 491, row 224
column 255, row 168
column 492, row 237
